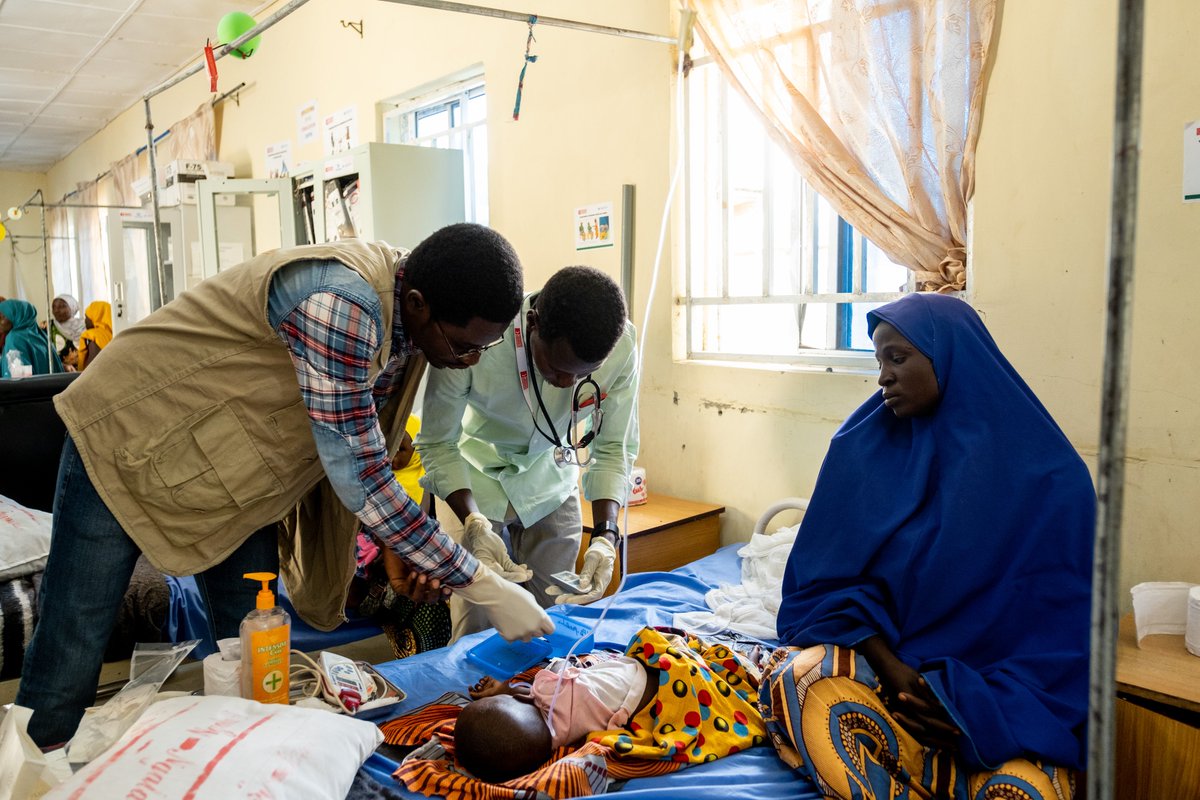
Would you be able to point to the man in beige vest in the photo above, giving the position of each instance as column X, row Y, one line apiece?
column 247, row 426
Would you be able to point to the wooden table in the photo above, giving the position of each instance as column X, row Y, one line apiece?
column 663, row 533
column 1158, row 717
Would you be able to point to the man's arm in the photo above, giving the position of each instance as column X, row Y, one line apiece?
column 446, row 472
column 332, row 340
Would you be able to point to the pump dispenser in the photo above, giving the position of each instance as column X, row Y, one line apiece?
column 266, row 634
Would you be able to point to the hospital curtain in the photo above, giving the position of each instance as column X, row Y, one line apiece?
column 879, row 104
column 124, row 173
column 93, row 261
column 61, row 240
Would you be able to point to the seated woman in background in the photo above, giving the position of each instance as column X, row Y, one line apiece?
column 21, row 342
column 937, row 598
column 65, row 323
column 97, row 334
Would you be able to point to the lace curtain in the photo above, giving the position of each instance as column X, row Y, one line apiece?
column 879, row 104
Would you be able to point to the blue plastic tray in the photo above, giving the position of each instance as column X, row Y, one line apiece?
column 502, row 659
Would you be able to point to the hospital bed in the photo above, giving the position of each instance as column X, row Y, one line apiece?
column 650, row 598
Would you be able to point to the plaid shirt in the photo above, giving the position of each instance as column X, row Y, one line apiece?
column 331, row 341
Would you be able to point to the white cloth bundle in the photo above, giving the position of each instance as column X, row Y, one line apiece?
column 750, row 607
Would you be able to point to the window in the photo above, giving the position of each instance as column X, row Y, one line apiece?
column 772, row 273
column 452, row 117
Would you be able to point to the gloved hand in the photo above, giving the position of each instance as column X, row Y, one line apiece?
column 511, row 609
column 598, row 564
column 486, row 545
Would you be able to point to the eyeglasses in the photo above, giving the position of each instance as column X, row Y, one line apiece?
column 465, row 354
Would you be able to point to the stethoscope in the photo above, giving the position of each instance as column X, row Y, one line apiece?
column 569, row 453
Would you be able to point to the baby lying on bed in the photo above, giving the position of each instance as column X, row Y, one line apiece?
column 671, row 697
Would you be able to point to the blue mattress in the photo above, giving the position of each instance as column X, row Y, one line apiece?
column 648, row 598
column 186, row 620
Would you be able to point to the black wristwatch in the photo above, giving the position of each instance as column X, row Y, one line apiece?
column 606, row 526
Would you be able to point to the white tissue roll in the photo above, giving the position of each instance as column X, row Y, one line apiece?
column 222, row 677
column 1192, row 638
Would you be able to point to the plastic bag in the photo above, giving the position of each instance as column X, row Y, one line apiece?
column 149, row 668
column 24, row 770
column 17, row 368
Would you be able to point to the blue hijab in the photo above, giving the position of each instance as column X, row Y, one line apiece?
column 26, row 339
column 964, row 539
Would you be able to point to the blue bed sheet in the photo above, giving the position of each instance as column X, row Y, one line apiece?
column 186, row 619
column 648, row 598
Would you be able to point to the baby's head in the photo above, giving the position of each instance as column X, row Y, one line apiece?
column 500, row 738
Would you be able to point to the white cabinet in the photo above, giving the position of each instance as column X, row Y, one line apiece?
column 392, row 193
column 134, row 275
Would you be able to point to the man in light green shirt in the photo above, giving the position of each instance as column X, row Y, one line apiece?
column 500, row 448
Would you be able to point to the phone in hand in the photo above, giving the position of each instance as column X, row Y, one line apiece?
column 567, row 580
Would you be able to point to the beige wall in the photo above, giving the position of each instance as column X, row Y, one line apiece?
column 572, row 146
column 1041, row 243
column 1040, row 233
column 21, row 273
column 747, row 437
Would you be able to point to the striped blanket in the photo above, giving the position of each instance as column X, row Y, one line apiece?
column 18, row 614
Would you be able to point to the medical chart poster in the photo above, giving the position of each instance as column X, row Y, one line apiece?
column 306, row 122
column 279, row 160
column 341, row 131
column 1191, row 162
column 593, row 226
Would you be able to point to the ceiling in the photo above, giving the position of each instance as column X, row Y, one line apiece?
column 68, row 67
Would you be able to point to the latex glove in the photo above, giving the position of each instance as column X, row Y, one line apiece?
column 510, row 609
column 598, row 564
column 486, row 545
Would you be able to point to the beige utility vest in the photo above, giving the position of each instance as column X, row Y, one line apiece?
column 194, row 433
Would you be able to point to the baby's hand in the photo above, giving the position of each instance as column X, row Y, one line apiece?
column 488, row 686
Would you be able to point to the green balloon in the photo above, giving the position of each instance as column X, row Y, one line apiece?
column 233, row 25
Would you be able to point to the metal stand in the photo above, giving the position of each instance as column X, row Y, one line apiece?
column 1114, row 408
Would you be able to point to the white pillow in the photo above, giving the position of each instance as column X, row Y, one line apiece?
column 224, row 748
column 24, row 539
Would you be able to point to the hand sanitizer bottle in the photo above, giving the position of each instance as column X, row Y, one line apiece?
column 266, row 635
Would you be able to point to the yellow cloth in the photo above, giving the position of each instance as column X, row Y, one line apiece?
column 101, row 332
column 409, row 477
column 705, row 705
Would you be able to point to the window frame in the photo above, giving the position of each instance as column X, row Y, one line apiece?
column 850, row 260
column 398, row 116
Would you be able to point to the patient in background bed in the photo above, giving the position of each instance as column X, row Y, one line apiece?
column 949, row 543
column 677, row 698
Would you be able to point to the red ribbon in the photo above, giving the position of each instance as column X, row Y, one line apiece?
column 212, row 66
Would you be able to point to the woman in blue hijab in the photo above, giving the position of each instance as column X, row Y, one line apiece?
column 937, row 598
column 20, row 334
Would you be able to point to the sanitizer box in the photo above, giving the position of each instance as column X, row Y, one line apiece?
column 502, row 660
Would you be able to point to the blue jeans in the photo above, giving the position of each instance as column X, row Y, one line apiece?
column 87, row 574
